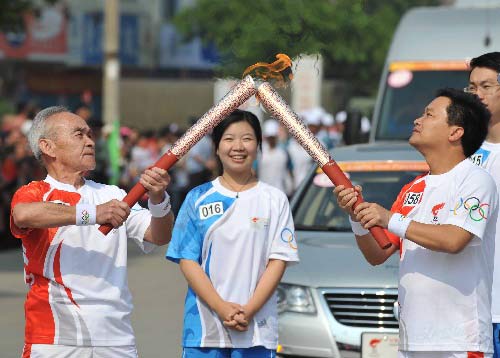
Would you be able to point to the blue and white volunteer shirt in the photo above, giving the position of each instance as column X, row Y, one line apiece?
column 488, row 157
column 232, row 239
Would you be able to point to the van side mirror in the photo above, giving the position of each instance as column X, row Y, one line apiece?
column 352, row 131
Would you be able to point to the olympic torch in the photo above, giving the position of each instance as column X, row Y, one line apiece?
column 280, row 110
column 231, row 101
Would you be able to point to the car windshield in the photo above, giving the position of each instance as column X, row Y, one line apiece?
column 406, row 99
column 317, row 209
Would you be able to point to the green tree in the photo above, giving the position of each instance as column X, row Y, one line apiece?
column 353, row 36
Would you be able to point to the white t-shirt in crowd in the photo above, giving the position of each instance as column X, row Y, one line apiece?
column 301, row 162
column 77, row 277
column 272, row 168
column 488, row 157
column 233, row 239
column 445, row 299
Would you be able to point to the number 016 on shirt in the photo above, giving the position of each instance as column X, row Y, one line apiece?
column 209, row 210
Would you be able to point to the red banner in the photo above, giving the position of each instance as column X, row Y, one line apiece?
column 44, row 37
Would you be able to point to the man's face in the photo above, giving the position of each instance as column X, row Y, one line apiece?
column 432, row 128
column 314, row 128
column 484, row 83
column 72, row 142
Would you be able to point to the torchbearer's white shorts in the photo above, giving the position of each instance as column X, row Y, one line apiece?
column 444, row 355
column 61, row 351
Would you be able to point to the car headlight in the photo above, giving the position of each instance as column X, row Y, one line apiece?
column 294, row 298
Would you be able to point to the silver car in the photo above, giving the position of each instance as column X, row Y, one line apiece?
column 333, row 303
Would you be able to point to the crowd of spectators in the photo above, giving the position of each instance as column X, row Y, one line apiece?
column 17, row 164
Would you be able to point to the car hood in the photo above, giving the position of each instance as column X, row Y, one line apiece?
column 332, row 259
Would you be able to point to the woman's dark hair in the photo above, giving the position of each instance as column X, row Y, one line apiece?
column 468, row 112
column 236, row 116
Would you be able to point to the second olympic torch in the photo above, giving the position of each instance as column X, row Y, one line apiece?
column 231, row 101
column 281, row 111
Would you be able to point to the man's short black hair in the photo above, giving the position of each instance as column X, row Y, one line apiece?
column 468, row 112
column 489, row 60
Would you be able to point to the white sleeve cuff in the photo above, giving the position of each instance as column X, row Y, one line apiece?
column 357, row 228
column 162, row 209
column 85, row 214
column 398, row 224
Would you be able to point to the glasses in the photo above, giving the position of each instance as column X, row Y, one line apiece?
column 484, row 89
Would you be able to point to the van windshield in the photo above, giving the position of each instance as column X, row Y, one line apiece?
column 405, row 99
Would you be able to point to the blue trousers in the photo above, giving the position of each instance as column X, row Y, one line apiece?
column 496, row 340
column 253, row 352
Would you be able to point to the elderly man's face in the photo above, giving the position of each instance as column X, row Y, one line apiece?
column 73, row 145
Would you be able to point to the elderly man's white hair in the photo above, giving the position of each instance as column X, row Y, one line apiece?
column 38, row 129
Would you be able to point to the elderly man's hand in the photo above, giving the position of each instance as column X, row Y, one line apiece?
column 155, row 180
column 113, row 212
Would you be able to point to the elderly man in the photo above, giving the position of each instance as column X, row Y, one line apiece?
column 79, row 304
column 443, row 224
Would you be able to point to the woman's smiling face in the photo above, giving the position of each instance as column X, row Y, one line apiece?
column 237, row 148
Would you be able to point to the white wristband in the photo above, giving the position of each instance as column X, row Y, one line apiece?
column 162, row 209
column 357, row 228
column 398, row 224
column 85, row 214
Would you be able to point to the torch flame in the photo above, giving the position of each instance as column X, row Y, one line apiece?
column 272, row 71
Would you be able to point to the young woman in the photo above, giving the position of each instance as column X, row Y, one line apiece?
column 233, row 238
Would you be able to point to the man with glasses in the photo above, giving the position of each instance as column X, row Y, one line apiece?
column 484, row 81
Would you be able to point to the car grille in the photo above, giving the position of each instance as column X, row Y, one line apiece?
column 369, row 308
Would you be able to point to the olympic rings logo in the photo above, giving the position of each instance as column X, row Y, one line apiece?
column 477, row 210
column 457, row 206
column 288, row 236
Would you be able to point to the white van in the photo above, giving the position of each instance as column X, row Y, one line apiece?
column 430, row 50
